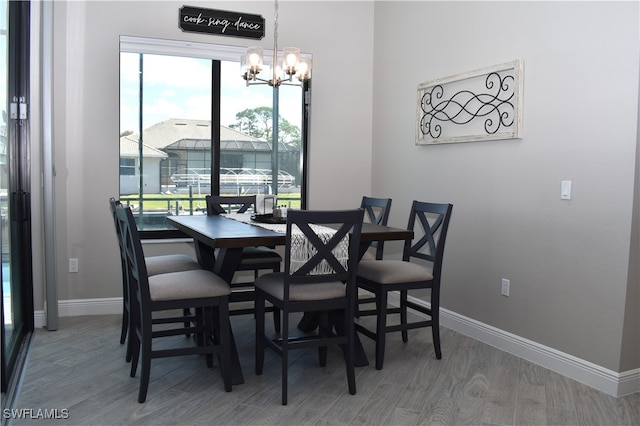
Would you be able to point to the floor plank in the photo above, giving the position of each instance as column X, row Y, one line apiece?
column 81, row 368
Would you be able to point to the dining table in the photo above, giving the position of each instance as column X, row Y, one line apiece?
column 219, row 241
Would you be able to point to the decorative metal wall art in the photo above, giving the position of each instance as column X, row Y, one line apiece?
column 480, row 105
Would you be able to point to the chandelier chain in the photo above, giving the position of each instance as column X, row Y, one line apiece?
column 275, row 41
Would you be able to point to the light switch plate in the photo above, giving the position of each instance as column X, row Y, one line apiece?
column 565, row 190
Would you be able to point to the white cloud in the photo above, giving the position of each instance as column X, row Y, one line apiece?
column 177, row 87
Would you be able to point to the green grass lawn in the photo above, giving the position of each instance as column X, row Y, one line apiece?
column 182, row 202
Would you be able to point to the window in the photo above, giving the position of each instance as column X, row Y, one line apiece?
column 189, row 126
column 127, row 166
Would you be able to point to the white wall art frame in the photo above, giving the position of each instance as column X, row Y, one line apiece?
column 480, row 105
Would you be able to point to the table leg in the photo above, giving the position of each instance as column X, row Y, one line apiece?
column 310, row 321
column 224, row 264
column 206, row 255
column 360, row 356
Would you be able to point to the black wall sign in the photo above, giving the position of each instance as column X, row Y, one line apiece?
column 221, row 22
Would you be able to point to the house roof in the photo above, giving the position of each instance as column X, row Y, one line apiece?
column 185, row 134
column 129, row 148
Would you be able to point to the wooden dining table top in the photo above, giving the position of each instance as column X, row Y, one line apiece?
column 221, row 232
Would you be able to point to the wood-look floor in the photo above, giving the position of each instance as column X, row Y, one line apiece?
column 81, row 368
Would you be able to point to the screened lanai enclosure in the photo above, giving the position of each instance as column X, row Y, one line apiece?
column 176, row 169
column 177, row 159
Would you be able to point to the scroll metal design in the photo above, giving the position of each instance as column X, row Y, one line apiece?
column 492, row 106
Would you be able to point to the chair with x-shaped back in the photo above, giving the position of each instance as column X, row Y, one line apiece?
column 321, row 259
column 201, row 290
column 420, row 268
column 156, row 265
column 377, row 212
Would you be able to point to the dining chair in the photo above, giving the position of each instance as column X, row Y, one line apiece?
column 319, row 276
column 420, row 268
column 377, row 212
column 200, row 290
column 155, row 265
column 253, row 258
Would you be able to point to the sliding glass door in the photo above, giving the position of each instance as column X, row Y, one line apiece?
column 15, row 224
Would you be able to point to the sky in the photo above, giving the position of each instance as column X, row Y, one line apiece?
column 177, row 87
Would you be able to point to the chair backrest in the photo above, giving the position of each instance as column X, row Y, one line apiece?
column 377, row 212
column 113, row 205
column 376, row 209
column 429, row 238
column 135, row 263
column 229, row 204
column 317, row 253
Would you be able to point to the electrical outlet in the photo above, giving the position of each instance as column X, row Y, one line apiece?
column 73, row 264
column 505, row 287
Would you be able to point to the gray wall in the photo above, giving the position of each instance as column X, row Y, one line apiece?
column 630, row 356
column 86, row 114
column 568, row 261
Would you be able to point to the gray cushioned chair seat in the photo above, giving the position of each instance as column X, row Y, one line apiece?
column 367, row 257
column 187, row 285
column 274, row 285
column 394, row 271
column 170, row 263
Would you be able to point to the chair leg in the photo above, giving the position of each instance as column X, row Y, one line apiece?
column 128, row 355
column 186, row 312
column 403, row 315
column 285, row 363
column 285, row 358
column 145, row 367
column 381, row 328
column 200, row 321
column 125, row 323
column 435, row 330
column 259, row 314
column 350, row 356
column 323, row 331
column 134, row 344
column 225, row 343
column 131, row 332
column 209, row 333
column 276, row 320
column 276, row 311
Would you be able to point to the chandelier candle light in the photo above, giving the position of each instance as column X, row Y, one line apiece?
column 293, row 63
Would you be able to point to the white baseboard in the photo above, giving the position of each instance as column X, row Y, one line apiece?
column 600, row 378
column 603, row 379
column 39, row 319
column 79, row 307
